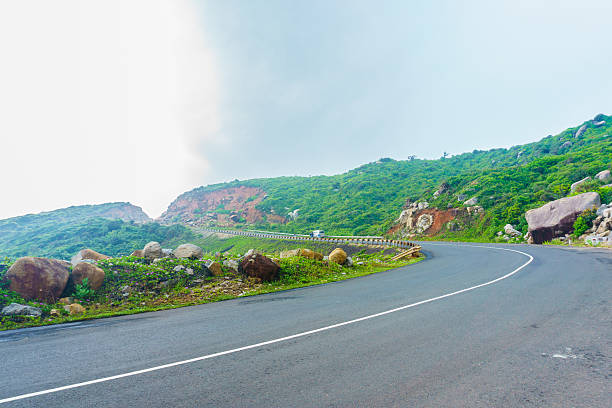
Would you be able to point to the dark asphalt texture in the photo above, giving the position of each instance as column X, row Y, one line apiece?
column 540, row 338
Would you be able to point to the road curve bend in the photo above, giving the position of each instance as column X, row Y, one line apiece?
column 473, row 325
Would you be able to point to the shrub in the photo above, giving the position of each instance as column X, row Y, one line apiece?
column 584, row 222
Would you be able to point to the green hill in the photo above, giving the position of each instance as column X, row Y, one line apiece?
column 108, row 228
column 368, row 199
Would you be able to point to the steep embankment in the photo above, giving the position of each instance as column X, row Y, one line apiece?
column 368, row 200
column 112, row 228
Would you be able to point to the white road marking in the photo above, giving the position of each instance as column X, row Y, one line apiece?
column 265, row 343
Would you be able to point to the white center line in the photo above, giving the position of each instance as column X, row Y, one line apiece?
column 278, row 340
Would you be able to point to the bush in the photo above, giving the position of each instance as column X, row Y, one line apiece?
column 584, row 222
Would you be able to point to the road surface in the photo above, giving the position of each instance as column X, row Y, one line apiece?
column 541, row 336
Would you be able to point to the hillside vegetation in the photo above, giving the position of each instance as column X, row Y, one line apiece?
column 368, row 199
column 62, row 233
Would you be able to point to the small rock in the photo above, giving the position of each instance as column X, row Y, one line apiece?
column 74, row 309
column 139, row 253
column 188, row 251
column 349, row 262
column 167, row 253
column 178, row 268
column 15, row 309
column 55, row 313
column 214, row 267
column 189, row 271
column 89, row 254
column 66, row 300
column 153, row 250
column 338, row 256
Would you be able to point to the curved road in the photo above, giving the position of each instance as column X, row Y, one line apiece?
column 539, row 337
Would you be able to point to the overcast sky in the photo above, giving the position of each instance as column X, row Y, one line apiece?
column 141, row 100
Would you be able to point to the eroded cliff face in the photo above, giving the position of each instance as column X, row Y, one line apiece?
column 224, row 208
column 418, row 219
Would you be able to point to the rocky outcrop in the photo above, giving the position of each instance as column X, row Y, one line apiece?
column 260, row 267
column 38, row 278
column 338, row 256
column 429, row 221
column 557, row 218
column 15, row 309
column 604, row 176
column 188, row 251
column 153, row 250
column 93, row 274
column 87, row 254
column 223, row 207
column 580, row 131
column 577, row 184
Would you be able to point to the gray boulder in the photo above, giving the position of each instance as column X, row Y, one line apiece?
column 153, row 250
column 471, row 201
column 509, row 230
column 231, row 263
column 604, row 176
column 15, row 309
column 189, row 251
column 557, row 218
column 167, row 253
column 580, row 131
column 578, row 183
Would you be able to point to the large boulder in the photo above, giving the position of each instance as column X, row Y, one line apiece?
column 338, row 256
column 604, row 176
column 38, row 278
column 15, row 309
column 153, row 250
column 557, row 218
column 93, row 274
column 138, row 253
column 259, row 266
column 90, row 254
column 188, row 251
column 578, row 183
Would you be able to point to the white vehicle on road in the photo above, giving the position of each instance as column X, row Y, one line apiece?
column 317, row 234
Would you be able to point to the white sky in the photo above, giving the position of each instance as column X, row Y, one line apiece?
column 142, row 100
column 102, row 101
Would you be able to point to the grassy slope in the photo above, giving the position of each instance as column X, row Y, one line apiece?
column 507, row 182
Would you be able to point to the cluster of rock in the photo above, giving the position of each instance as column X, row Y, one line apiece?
column 556, row 218
column 601, row 231
column 603, row 176
column 418, row 218
column 509, row 233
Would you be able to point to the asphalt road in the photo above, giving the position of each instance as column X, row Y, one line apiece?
column 541, row 337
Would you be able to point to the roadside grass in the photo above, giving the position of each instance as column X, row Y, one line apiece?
column 134, row 286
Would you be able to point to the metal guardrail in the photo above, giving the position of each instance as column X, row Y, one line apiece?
column 333, row 240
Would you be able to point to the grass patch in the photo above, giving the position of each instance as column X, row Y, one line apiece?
column 133, row 285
